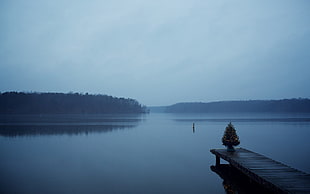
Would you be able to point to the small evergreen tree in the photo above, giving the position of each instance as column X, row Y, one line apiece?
column 230, row 137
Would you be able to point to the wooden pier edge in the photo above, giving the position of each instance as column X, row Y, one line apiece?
column 269, row 173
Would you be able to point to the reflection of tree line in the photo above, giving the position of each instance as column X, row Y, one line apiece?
column 236, row 182
column 32, row 130
column 20, row 125
column 71, row 119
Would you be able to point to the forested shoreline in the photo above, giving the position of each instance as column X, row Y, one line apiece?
column 277, row 106
column 66, row 103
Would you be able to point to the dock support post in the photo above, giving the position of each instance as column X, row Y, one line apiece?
column 217, row 160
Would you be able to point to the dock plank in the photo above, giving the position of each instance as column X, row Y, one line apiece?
column 272, row 174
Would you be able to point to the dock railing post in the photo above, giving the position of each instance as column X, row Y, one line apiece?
column 217, row 160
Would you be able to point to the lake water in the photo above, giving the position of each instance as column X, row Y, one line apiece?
column 153, row 153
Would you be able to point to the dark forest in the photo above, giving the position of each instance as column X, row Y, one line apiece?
column 69, row 103
column 276, row 106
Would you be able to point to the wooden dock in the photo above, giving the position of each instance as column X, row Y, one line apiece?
column 269, row 173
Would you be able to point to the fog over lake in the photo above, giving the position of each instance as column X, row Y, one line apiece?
column 152, row 153
column 66, row 66
column 158, row 52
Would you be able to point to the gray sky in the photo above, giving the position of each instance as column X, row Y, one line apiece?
column 158, row 52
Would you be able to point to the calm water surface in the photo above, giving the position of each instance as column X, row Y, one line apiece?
column 154, row 153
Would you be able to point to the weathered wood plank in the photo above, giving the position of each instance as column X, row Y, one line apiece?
column 272, row 174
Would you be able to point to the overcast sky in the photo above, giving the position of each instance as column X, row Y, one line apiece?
column 158, row 52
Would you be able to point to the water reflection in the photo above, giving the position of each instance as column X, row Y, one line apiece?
column 31, row 125
column 236, row 182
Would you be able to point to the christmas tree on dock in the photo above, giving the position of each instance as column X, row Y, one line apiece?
column 230, row 138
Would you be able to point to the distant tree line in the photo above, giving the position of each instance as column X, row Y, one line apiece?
column 286, row 105
column 69, row 103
